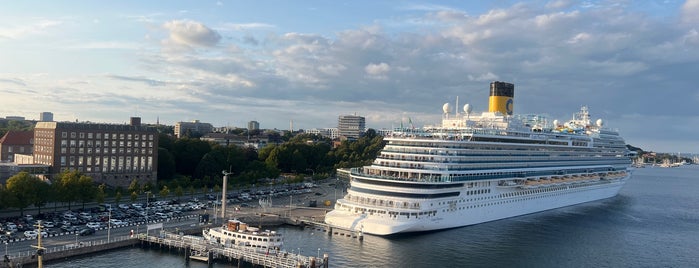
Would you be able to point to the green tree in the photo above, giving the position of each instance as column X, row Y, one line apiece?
column 44, row 194
column 188, row 152
column 101, row 193
column 68, row 186
column 134, row 187
column 166, row 164
column 21, row 189
column 3, row 197
column 190, row 189
column 117, row 197
column 179, row 192
column 86, row 189
column 164, row 192
column 134, row 196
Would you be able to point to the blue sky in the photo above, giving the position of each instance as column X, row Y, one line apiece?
column 633, row 63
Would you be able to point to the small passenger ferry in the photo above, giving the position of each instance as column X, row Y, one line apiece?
column 236, row 233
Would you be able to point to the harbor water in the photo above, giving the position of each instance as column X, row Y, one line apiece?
column 653, row 222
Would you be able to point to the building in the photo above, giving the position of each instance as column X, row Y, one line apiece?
column 15, row 142
column 351, row 126
column 15, row 118
column 192, row 128
column 46, row 117
column 253, row 125
column 325, row 132
column 109, row 153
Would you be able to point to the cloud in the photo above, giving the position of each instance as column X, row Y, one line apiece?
column 191, row 34
column 245, row 26
column 559, row 55
column 40, row 27
column 377, row 71
column 690, row 11
column 14, row 81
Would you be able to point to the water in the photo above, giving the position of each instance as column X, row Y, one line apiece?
column 653, row 222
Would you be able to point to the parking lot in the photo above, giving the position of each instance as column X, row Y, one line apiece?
column 96, row 217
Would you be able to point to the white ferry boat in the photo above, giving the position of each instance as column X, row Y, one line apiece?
column 236, row 233
column 475, row 168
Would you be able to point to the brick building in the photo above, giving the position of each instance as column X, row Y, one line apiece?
column 109, row 153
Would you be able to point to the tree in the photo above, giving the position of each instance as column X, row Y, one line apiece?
column 86, row 189
column 44, row 194
column 191, row 190
column 134, row 187
column 21, row 190
column 164, row 192
column 179, row 192
column 3, row 197
column 134, row 196
column 188, row 152
column 166, row 164
column 117, row 197
column 101, row 193
column 68, row 186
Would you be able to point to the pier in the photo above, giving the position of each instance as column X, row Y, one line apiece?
column 198, row 249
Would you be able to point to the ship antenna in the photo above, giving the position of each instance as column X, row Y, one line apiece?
column 456, row 111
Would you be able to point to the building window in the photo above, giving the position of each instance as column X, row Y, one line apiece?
column 89, row 135
column 98, row 135
column 64, row 134
column 73, row 135
column 82, row 135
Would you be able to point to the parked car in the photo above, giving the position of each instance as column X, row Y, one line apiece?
column 93, row 225
column 30, row 234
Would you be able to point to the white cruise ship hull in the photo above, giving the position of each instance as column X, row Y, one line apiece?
column 475, row 212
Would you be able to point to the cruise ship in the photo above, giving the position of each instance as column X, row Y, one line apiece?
column 475, row 168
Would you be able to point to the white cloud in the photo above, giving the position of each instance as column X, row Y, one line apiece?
column 578, row 38
column 191, row 33
column 39, row 27
column 245, row 26
column 690, row 11
column 377, row 71
column 559, row 4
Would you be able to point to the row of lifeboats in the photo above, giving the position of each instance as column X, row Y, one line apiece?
column 570, row 179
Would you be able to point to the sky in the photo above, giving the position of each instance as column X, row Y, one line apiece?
column 635, row 64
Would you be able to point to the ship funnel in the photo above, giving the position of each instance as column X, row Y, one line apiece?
column 501, row 97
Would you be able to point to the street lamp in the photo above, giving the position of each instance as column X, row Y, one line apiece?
column 109, row 225
column 147, row 196
column 318, row 253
